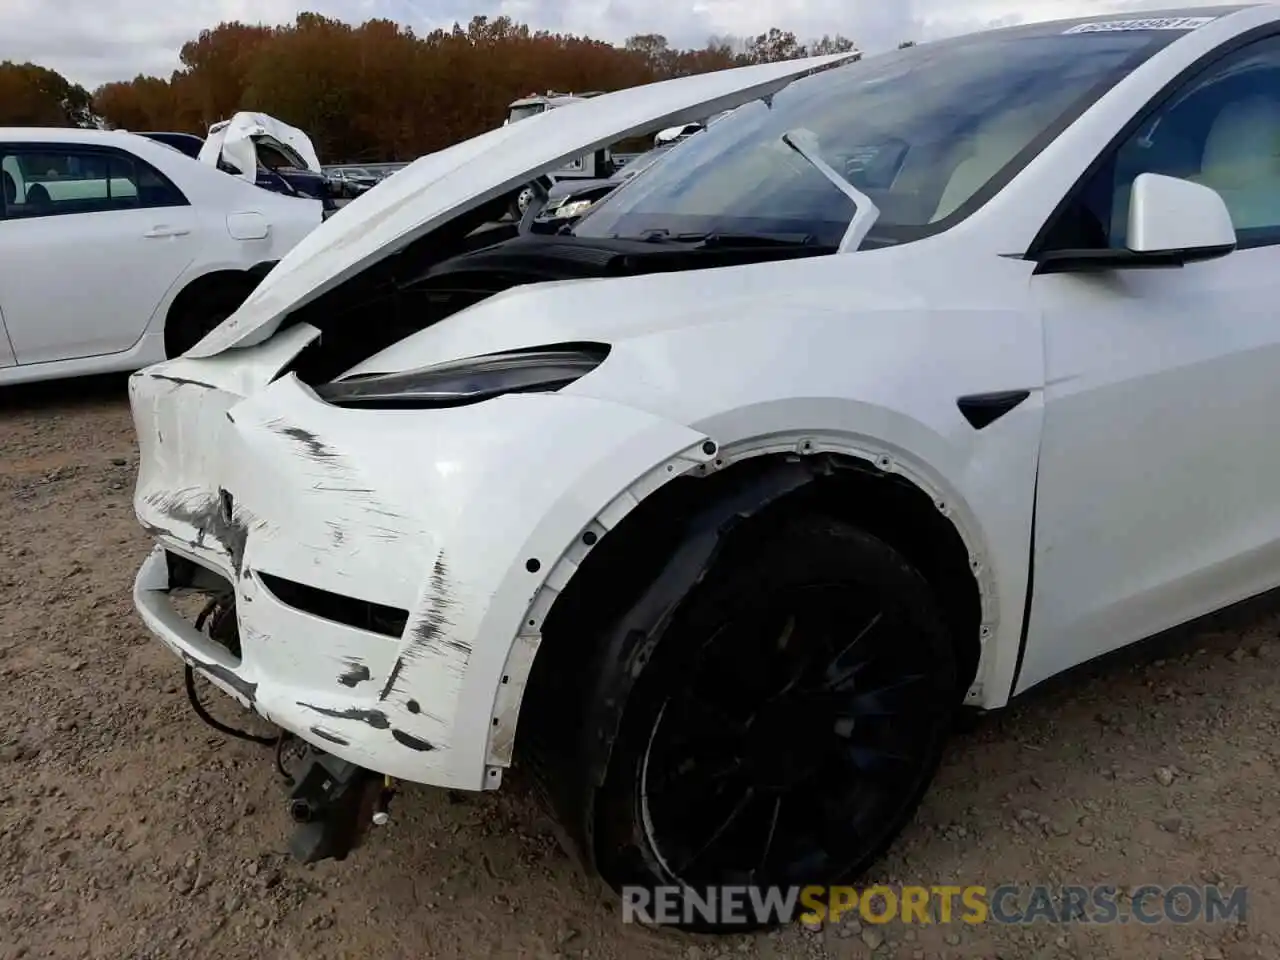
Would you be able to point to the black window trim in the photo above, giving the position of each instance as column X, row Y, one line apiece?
column 1201, row 67
column 20, row 147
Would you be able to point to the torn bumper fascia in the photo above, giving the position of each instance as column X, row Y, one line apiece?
column 469, row 518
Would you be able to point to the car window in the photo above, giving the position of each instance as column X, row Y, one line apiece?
column 1221, row 129
column 528, row 110
column 59, row 180
column 275, row 155
column 928, row 133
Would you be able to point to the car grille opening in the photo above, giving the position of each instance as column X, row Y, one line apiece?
column 348, row 611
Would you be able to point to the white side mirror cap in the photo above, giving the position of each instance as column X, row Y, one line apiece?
column 1167, row 214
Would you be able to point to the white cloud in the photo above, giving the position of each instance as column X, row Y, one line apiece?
column 92, row 41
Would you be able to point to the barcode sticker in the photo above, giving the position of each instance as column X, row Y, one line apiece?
column 1149, row 23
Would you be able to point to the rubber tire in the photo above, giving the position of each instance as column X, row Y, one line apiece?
column 192, row 321
column 806, row 550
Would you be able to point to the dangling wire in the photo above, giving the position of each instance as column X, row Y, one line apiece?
column 190, row 676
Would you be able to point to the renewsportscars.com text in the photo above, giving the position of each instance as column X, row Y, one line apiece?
column 942, row 904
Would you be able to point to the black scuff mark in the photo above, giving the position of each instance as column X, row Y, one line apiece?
column 316, row 448
column 432, row 628
column 331, row 737
column 182, row 381
column 336, row 533
column 229, row 529
column 216, row 670
column 374, row 718
column 391, row 680
column 230, row 418
column 158, row 531
column 356, row 673
column 410, row 741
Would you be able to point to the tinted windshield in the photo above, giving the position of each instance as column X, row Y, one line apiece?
column 638, row 163
column 920, row 132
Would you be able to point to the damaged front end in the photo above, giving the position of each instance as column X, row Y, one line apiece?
column 375, row 583
column 369, row 571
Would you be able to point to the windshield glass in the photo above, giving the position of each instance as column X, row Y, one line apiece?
column 920, row 132
column 638, row 163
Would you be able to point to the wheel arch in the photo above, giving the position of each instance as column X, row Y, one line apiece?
column 243, row 278
column 631, row 580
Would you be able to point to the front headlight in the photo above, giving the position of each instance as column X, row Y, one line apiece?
column 574, row 209
column 535, row 370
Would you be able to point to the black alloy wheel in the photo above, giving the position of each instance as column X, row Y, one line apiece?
column 786, row 727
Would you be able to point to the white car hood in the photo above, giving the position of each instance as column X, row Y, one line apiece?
column 232, row 140
column 441, row 186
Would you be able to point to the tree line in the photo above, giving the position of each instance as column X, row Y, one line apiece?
column 377, row 90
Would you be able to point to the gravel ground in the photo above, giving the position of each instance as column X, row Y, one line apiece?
column 129, row 829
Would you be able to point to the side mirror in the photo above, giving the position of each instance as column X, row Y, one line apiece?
column 1172, row 222
column 1168, row 215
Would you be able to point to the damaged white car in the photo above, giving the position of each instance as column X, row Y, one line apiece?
column 275, row 156
column 714, row 509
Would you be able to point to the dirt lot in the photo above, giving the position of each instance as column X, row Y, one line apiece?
column 128, row 829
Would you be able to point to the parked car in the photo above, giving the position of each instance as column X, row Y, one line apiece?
column 903, row 388
column 570, row 200
column 267, row 152
column 117, row 251
column 590, row 166
column 359, row 177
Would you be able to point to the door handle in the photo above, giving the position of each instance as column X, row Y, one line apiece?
column 156, row 232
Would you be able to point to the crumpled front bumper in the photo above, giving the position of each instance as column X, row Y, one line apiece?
column 325, row 522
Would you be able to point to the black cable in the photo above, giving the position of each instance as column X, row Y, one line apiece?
column 204, row 714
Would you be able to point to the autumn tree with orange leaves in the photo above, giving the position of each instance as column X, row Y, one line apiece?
column 377, row 90
column 34, row 96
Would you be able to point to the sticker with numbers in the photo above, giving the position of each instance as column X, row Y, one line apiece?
column 1149, row 23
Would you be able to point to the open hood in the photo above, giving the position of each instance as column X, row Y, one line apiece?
column 440, row 187
column 235, row 141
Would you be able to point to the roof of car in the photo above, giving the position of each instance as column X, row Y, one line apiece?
column 69, row 135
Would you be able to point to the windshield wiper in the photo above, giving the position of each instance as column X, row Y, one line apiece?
column 718, row 238
column 865, row 214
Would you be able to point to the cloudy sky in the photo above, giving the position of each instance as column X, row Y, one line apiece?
column 92, row 41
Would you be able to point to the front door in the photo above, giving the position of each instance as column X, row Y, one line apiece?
column 1157, row 497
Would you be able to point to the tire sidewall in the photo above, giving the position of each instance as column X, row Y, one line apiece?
column 623, row 853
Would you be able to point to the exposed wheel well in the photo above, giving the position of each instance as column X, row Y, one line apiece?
column 566, row 725
column 633, row 554
column 219, row 286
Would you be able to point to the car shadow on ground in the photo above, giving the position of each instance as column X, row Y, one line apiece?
column 69, row 394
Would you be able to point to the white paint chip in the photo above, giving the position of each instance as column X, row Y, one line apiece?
column 1149, row 23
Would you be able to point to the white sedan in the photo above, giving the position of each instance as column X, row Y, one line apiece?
column 117, row 251
column 909, row 384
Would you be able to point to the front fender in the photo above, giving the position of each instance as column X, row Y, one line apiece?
column 984, row 488
column 983, row 481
